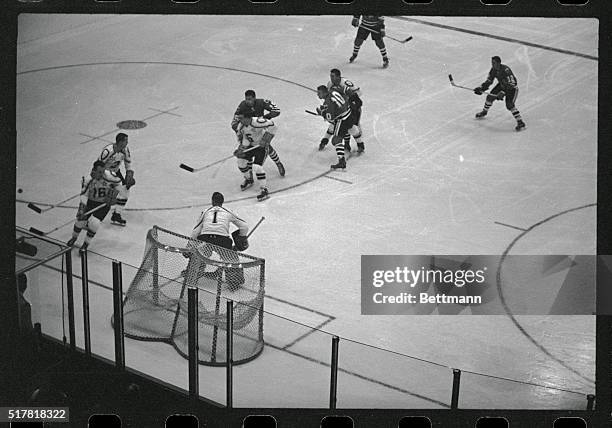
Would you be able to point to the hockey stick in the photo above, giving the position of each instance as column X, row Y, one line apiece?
column 407, row 39
column 400, row 41
column 251, row 232
column 39, row 210
column 191, row 169
column 41, row 233
column 256, row 226
column 450, row 77
column 311, row 112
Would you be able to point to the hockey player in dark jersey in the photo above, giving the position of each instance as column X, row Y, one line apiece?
column 352, row 92
column 506, row 87
column 374, row 25
column 336, row 110
column 256, row 108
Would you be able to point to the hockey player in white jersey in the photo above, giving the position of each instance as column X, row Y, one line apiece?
column 254, row 136
column 113, row 156
column 96, row 190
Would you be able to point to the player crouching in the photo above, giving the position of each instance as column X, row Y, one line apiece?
column 254, row 136
column 97, row 196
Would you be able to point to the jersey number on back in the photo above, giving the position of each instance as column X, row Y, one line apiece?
column 337, row 98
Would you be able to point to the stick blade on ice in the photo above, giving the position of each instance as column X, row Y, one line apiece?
column 34, row 208
column 36, row 231
column 186, row 167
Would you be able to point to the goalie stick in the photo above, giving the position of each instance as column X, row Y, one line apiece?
column 256, row 226
column 450, row 77
column 251, row 232
column 41, row 233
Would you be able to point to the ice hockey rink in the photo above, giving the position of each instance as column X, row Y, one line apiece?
column 433, row 180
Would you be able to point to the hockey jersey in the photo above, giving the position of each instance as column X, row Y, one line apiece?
column 96, row 190
column 112, row 160
column 216, row 221
column 504, row 76
column 335, row 107
column 256, row 110
column 371, row 22
column 252, row 134
column 345, row 87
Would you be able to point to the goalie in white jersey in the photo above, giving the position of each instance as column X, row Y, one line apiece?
column 254, row 136
column 213, row 227
column 113, row 156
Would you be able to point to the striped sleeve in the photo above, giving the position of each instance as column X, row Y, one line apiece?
column 239, row 223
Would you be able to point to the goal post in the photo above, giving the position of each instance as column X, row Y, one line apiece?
column 155, row 305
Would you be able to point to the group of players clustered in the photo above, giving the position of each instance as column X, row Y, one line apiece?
column 107, row 187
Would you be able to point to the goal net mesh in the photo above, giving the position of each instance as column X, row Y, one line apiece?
column 155, row 306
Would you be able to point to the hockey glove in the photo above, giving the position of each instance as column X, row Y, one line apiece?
column 239, row 153
column 266, row 139
column 355, row 22
column 501, row 95
column 478, row 90
column 240, row 242
column 129, row 178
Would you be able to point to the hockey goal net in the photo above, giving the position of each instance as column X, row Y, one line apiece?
column 155, row 306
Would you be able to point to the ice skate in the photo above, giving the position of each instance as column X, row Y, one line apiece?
column 117, row 219
column 323, row 143
column 263, row 195
column 519, row 125
column 340, row 165
column 360, row 148
column 248, row 182
column 71, row 242
column 481, row 114
column 352, row 58
column 281, row 169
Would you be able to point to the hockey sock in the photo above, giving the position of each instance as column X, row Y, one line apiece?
column 260, row 174
column 76, row 231
column 382, row 48
column 356, row 48
column 273, row 155
column 340, row 150
column 487, row 105
column 120, row 205
column 356, row 133
column 516, row 114
column 92, row 227
column 246, row 171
